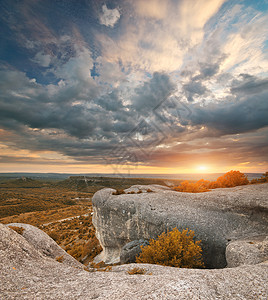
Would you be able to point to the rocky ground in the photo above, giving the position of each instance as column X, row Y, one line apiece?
column 30, row 268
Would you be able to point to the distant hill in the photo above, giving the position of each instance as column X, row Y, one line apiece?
column 22, row 182
column 93, row 184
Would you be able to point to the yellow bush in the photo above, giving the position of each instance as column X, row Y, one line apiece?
column 175, row 249
column 230, row 179
column 197, row 187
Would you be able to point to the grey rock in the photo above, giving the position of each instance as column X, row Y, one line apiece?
column 25, row 273
column 131, row 250
column 46, row 245
column 248, row 251
column 217, row 217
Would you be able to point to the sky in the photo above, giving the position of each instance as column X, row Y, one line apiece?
column 133, row 86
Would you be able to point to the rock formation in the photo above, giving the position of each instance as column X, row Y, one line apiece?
column 248, row 251
column 29, row 270
column 26, row 273
column 217, row 217
column 46, row 245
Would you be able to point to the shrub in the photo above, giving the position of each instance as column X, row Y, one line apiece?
column 76, row 251
column 119, row 192
column 263, row 179
column 230, row 179
column 175, row 249
column 197, row 187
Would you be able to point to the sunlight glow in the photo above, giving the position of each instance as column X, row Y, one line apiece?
column 202, row 168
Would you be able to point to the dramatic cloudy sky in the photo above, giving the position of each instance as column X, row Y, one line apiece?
column 148, row 86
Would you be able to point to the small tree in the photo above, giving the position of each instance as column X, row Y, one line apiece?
column 175, row 249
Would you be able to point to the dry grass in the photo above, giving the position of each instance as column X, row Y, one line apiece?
column 19, row 230
column 136, row 271
column 76, row 234
column 37, row 218
column 60, row 259
column 101, row 267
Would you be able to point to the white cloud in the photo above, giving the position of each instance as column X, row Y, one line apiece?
column 42, row 59
column 245, row 47
column 156, row 9
column 109, row 72
column 77, row 68
column 160, row 34
column 109, row 17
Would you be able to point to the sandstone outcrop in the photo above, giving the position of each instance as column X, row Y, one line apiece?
column 248, row 251
column 46, row 245
column 218, row 217
column 26, row 273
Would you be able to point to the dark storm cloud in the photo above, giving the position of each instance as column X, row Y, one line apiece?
column 92, row 127
column 152, row 93
column 248, row 84
column 26, row 104
column 111, row 101
column 246, row 112
column 194, row 88
column 23, row 103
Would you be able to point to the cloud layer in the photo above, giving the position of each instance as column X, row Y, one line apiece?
column 155, row 84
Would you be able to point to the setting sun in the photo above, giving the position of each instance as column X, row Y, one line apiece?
column 142, row 91
column 202, row 168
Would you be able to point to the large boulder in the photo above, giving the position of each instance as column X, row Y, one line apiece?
column 217, row 217
column 45, row 244
column 131, row 250
column 26, row 273
column 249, row 251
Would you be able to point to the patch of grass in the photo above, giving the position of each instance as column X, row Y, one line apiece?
column 136, row 271
column 101, row 266
column 60, row 259
column 76, row 236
